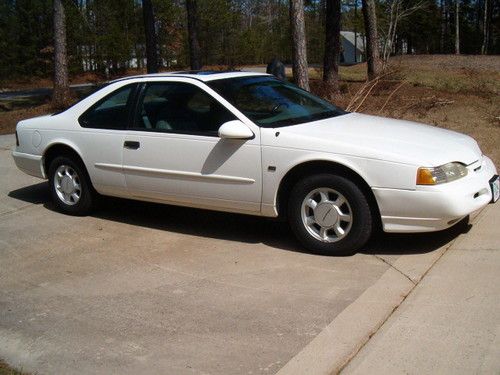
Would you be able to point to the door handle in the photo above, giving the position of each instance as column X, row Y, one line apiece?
column 132, row 145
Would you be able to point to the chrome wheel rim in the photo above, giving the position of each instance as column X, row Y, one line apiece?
column 67, row 185
column 326, row 215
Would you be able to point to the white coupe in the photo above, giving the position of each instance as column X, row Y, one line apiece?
column 252, row 144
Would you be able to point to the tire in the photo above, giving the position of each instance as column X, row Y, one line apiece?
column 329, row 215
column 70, row 186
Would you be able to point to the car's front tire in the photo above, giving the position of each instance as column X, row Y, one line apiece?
column 329, row 214
column 70, row 186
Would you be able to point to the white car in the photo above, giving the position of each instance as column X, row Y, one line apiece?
column 252, row 144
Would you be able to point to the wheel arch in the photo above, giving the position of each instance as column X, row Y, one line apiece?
column 59, row 148
column 312, row 167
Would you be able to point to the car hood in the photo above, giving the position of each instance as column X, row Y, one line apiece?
column 381, row 138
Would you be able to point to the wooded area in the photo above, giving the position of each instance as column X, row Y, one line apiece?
column 109, row 37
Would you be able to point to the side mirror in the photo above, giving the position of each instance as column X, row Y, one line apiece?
column 235, row 129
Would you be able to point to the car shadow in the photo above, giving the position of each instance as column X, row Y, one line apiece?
column 35, row 194
column 235, row 227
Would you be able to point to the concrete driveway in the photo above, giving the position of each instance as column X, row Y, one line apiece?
column 144, row 288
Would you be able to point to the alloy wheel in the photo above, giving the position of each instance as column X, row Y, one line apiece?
column 326, row 215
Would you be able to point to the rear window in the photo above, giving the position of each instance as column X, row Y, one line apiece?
column 111, row 112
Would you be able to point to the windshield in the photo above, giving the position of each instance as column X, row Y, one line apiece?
column 272, row 103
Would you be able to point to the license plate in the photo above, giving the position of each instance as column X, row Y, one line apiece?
column 495, row 188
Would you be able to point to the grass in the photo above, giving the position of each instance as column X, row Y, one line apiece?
column 454, row 74
column 354, row 73
column 456, row 82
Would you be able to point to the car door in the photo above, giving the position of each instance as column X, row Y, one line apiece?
column 101, row 141
column 172, row 151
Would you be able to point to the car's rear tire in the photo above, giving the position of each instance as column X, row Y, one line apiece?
column 329, row 214
column 70, row 186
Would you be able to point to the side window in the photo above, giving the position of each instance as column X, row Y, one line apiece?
column 178, row 107
column 111, row 112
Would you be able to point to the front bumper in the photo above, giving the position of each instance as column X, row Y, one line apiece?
column 29, row 164
column 433, row 208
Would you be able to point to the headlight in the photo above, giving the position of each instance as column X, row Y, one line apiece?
column 439, row 175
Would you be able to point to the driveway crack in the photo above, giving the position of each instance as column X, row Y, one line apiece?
column 395, row 268
column 2, row 214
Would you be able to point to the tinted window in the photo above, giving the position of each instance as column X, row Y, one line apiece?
column 270, row 102
column 180, row 108
column 112, row 112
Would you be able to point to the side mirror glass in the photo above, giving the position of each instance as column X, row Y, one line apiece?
column 235, row 129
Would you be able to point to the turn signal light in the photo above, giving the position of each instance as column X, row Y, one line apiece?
column 425, row 177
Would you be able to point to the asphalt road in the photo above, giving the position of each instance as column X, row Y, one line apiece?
column 153, row 289
column 42, row 92
column 11, row 100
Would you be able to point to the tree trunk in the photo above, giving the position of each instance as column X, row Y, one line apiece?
column 355, row 31
column 194, row 45
column 457, row 27
column 151, row 44
column 332, row 45
column 443, row 27
column 299, row 50
column 322, row 7
column 486, row 29
column 372, row 47
column 61, row 95
column 409, row 45
column 447, row 25
column 386, row 51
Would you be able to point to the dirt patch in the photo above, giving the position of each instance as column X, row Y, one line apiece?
column 9, row 119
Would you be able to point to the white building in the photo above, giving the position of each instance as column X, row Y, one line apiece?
column 353, row 47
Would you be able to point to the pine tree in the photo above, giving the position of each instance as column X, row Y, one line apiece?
column 457, row 27
column 332, row 44
column 299, row 50
column 194, row 44
column 150, row 31
column 61, row 93
column 372, row 46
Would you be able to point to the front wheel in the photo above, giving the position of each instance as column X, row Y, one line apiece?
column 329, row 214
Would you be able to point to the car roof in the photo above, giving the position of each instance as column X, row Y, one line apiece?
column 201, row 75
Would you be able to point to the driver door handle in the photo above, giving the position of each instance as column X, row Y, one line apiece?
column 132, row 145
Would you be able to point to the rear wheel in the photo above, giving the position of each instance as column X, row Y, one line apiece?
column 329, row 214
column 70, row 186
